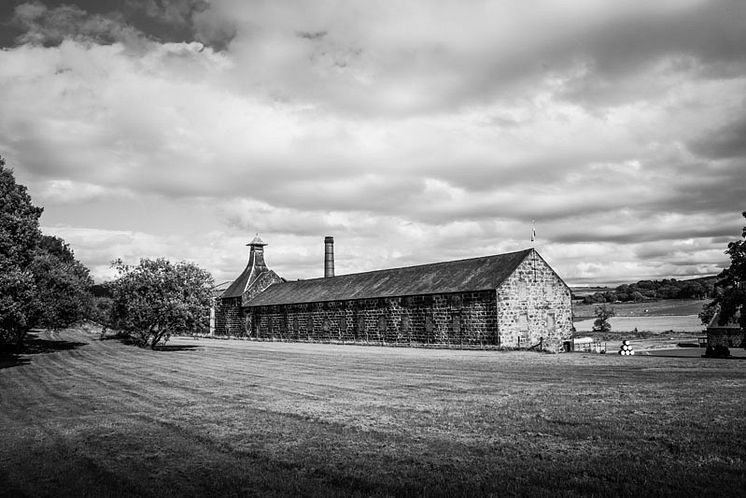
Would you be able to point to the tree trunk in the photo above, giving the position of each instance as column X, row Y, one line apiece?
column 157, row 338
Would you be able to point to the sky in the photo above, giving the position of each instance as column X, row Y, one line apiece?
column 412, row 131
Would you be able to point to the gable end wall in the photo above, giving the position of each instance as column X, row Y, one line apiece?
column 534, row 305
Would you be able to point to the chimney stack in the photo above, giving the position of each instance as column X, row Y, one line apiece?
column 328, row 256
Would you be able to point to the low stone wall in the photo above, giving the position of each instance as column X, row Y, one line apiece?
column 467, row 319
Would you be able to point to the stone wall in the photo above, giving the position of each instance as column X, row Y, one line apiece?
column 466, row 319
column 229, row 318
column 534, row 306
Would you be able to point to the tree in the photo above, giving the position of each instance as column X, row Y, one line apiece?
column 603, row 313
column 63, row 285
column 730, row 300
column 19, row 235
column 155, row 299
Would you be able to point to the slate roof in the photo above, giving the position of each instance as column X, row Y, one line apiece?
column 465, row 275
column 238, row 287
column 253, row 270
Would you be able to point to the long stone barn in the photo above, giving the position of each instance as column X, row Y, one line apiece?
column 512, row 300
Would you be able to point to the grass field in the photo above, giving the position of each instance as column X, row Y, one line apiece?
column 656, row 324
column 83, row 417
column 662, row 307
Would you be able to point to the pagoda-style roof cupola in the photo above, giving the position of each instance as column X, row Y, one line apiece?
column 254, row 268
column 256, row 254
column 257, row 242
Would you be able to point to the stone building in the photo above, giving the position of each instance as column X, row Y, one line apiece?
column 512, row 300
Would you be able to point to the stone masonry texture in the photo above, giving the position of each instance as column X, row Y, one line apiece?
column 531, row 308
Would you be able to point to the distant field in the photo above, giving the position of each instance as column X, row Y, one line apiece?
column 689, row 323
column 224, row 417
column 663, row 307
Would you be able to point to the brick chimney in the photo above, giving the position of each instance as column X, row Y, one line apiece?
column 328, row 256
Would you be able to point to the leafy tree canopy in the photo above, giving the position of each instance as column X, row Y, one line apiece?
column 603, row 313
column 63, row 285
column 41, row 282
column 731, row 299
column 19, row 235
column 157, row 298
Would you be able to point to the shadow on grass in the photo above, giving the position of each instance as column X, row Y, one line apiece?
column 688, row 353
column 125, row 339
column 8, row 360
column 173, row 347
column 33, row 344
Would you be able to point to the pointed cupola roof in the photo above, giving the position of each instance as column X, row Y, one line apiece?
column 255, row 267
column 257, row 241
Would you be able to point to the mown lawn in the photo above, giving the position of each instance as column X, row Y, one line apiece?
column 215, row 417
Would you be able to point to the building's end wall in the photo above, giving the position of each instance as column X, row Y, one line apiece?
column 228, row 316
column 534, row 305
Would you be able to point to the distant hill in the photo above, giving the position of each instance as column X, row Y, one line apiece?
column 645, row 290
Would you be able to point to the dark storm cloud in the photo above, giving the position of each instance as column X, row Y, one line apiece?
column 49, row 27
column 174, row 12
column 108, row 21
column 728, row 141
column 707, row 41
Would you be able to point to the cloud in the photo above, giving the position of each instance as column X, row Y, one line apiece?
column 412, row 133
column 69, row 192
column 416, row 59
column 177, row 12
column 97, row 248
column 726, row 142
column 50, row 27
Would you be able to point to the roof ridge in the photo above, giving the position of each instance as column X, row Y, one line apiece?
column 421, row 265
column 462, row 275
